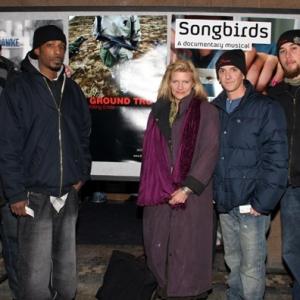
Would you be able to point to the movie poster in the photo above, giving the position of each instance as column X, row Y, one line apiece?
column 203, row 38
column 118, row 60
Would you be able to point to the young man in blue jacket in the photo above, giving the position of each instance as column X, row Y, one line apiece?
column 250, row 176
column 287, row 93
column 44, row 160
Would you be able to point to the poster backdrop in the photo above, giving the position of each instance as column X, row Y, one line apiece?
column 203, row 38
column 16, row 35
column 119, row 58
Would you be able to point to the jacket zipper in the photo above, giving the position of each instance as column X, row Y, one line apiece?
column 292, row 134
column 58, row 108
column 292, row 139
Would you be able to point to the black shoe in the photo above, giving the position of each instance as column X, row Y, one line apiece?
column 203, row 296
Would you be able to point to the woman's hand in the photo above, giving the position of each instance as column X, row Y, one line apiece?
column 263, row 69
column 68, row 71
column 178, row 197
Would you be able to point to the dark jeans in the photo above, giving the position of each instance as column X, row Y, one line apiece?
column 8, row 233
column 47, row 261
column 290, row 219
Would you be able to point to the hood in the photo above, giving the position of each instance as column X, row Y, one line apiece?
column 31, row 65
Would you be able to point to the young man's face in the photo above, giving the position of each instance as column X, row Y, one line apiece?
column 231, row 78
column 289, row 57
column 51, row 56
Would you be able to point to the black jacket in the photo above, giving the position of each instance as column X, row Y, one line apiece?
column 44, row 145
column 289, row 98
column 252, row 167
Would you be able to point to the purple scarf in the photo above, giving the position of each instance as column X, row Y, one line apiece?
column 157, row 182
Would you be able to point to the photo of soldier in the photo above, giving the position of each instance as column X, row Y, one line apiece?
column 119, row 35
column 100, row 45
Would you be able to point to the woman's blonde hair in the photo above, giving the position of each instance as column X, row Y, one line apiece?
column 164, row 90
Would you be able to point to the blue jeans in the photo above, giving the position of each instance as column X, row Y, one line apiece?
column 245, row 247
column 8, row 233
column 290, row 220
column 47, row 256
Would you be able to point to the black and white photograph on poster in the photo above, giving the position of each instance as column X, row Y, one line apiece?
column 255, row 35
column 118, row 61
column 16, row 36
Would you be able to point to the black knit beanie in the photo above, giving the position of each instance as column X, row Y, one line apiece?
column 47, row 33
column 290, row 36
column 232, row 58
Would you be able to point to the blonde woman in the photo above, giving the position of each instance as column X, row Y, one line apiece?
column 179, row 156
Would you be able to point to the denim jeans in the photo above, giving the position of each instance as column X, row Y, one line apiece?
column 245, row 247
column 8, row 233
column 47, row 260
column 290, row 220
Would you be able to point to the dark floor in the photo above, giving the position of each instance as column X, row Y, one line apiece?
column 93, row 259
column 93, row 253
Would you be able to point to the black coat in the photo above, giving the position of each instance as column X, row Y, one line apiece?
column 252, row 166
column 289, row 98
column 43, row 148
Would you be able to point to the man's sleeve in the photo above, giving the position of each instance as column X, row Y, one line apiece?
column 12, row 136
column 273, row 160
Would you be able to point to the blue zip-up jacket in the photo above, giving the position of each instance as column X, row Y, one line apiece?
column 253, row 159
column 44, row 142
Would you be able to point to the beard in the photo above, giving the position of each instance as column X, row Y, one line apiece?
column 55, row 64
column 55, row 68
column 291, row 73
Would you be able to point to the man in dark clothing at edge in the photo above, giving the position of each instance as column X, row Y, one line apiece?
column 250, row 176
column 44, row 160
column 8, row 221
column 287, row 93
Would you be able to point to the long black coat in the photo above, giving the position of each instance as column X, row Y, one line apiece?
column 178, row 242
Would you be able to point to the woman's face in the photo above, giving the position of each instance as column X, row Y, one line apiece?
column 181, row 84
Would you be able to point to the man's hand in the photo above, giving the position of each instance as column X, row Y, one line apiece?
column 254, row 212
column 18, row 208
column 78, row 185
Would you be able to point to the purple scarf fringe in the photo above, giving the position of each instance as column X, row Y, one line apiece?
column 157, row 183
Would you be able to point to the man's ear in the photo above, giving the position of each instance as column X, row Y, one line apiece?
column 36, row 51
